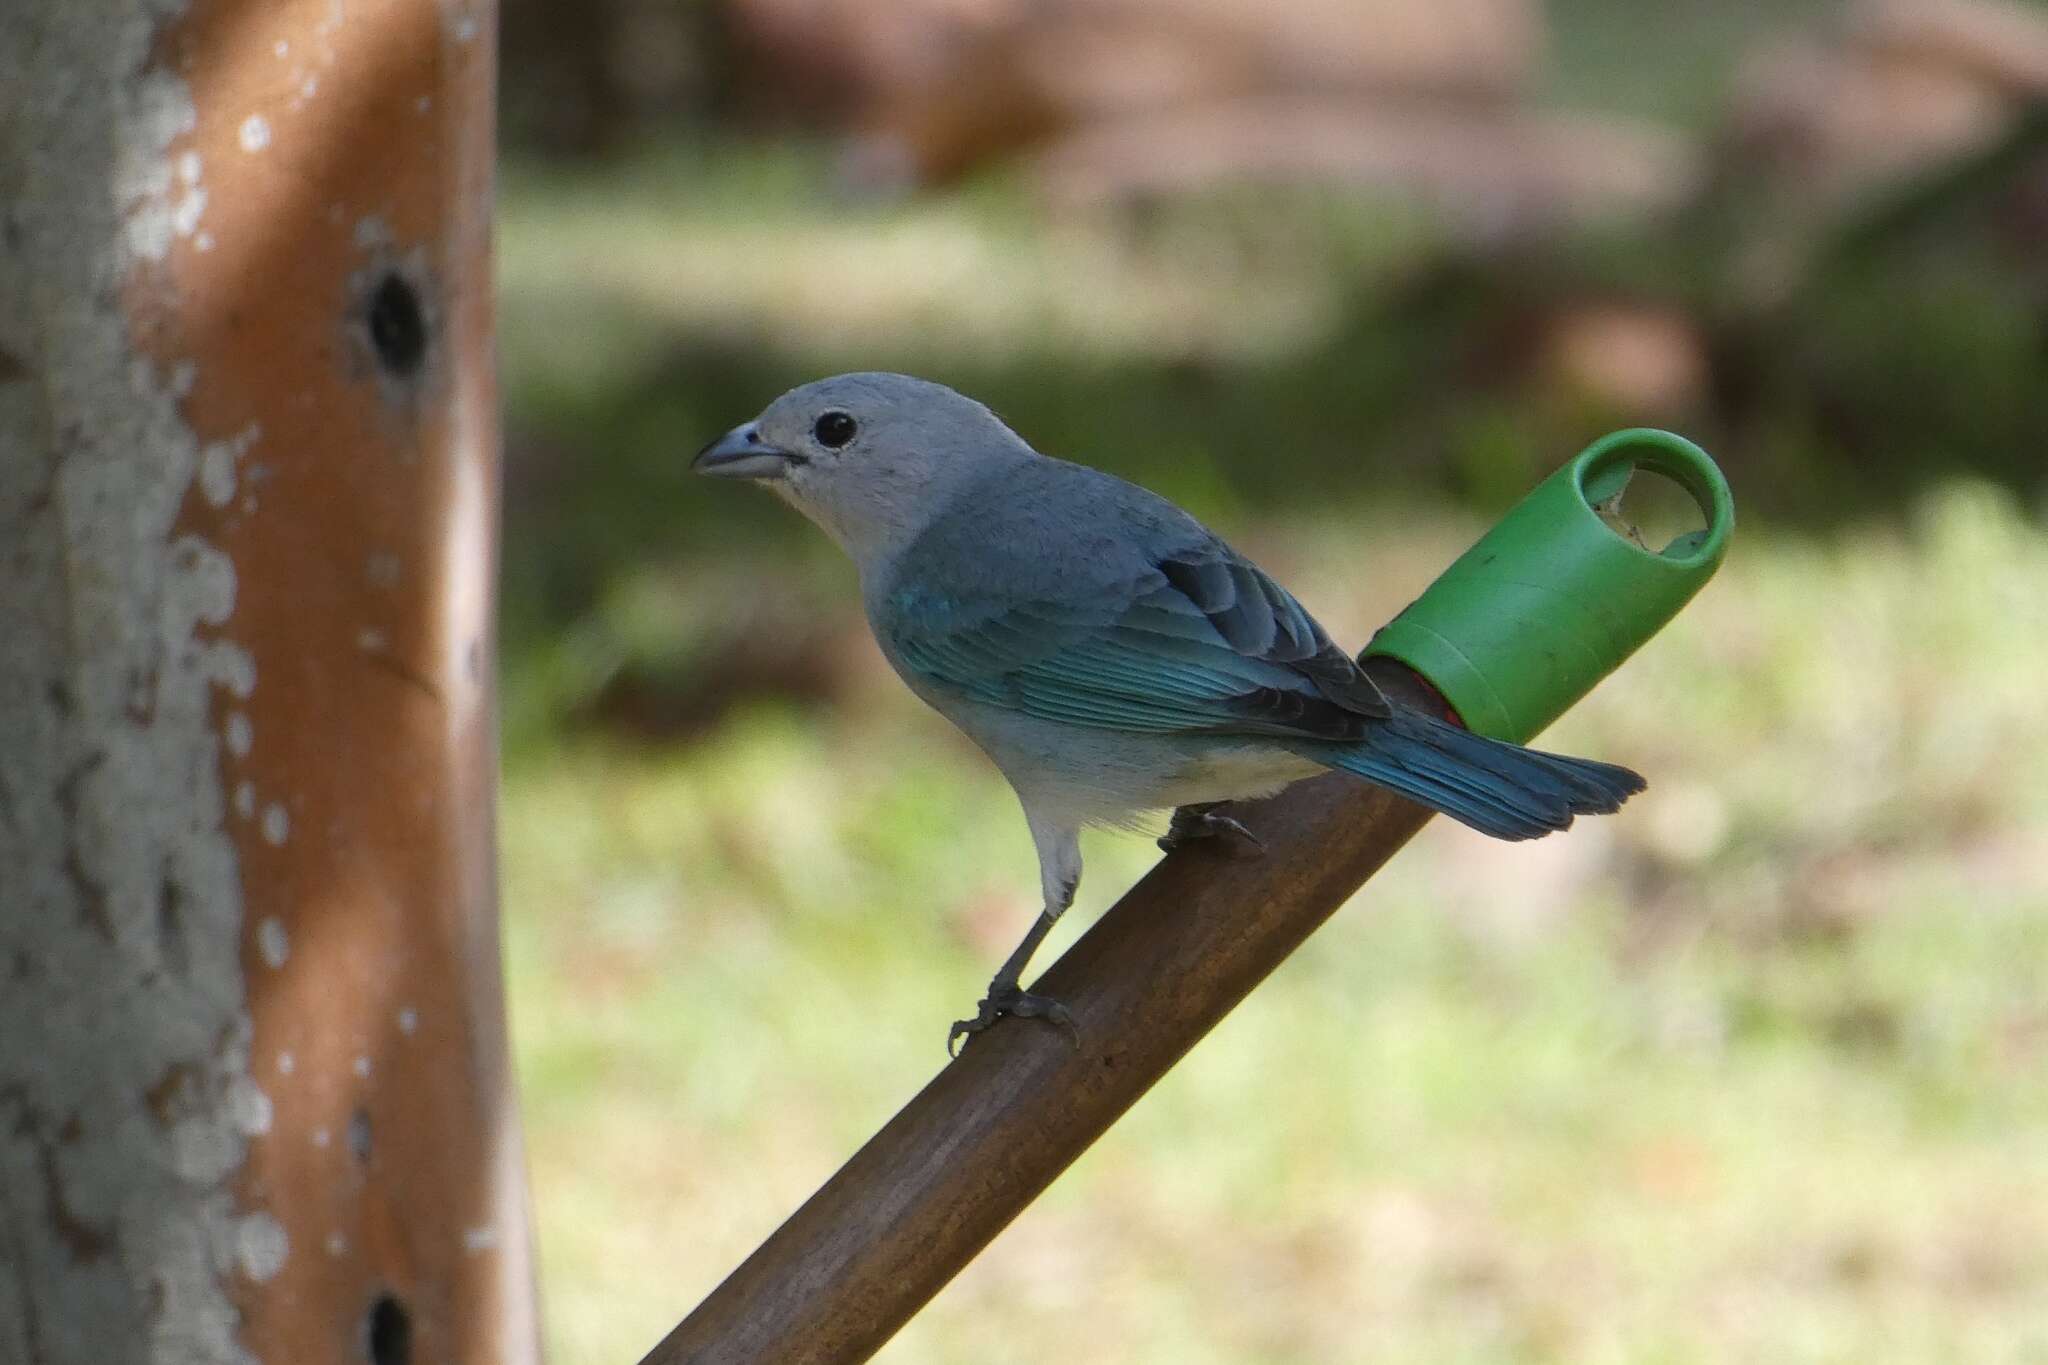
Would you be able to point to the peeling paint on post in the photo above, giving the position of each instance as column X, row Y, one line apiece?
column 254, row 1092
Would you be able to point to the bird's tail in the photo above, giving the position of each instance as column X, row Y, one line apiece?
column 1495, row 787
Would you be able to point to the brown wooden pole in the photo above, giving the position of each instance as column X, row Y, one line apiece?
column 255, row 1100
column 994, row 1128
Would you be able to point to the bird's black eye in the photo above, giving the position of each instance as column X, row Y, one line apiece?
column 833, row 429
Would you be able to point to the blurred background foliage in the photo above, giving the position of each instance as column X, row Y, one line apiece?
column 1756, row 1070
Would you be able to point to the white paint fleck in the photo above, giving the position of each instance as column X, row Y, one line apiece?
column 286, row 1063
column 255, row 133
column 245, row 799
column 321, row 1137
column 372, row 232
column 277, row 824
column 208, row 575
column 217, row 463
column 184, row 375
column 238, row 673
column 261, row 1246
column 185, row 213
column 308, row 86
column 372, row 640
column 241, row 735
column 248, row 1107
column 337, row 1245
column 273, row 941
column 281, row 47
column 465, row 28
column 217, row 473
column 362, row 1067
column 408, row 1021
column 381, row 568
column 160, row 193
column 481, row 1238
column 202, row 242
column 161, row 111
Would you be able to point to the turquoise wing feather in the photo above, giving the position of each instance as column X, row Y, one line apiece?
column 1202, row 642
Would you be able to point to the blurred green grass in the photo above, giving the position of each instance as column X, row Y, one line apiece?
column 1757, row 1070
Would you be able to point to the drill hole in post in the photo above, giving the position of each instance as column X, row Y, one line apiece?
column 388, row 1332
column 1646, row 490
column 398, row 326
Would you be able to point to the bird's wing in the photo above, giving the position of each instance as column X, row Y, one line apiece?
column 1199, row 641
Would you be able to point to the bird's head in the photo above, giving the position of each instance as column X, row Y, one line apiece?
column 871, row 458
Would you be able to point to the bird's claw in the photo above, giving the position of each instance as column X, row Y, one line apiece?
column 1017, row 1003
column 1192, row 824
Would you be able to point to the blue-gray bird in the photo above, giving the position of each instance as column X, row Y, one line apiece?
column 1109, row 652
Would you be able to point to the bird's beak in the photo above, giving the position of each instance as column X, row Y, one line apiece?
column 742, row 454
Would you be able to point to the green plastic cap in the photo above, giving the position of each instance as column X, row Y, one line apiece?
column 1553, row 598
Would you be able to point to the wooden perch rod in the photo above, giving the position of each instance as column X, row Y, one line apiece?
column 1000, row 1123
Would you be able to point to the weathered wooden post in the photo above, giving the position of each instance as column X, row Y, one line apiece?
column 254, row 1092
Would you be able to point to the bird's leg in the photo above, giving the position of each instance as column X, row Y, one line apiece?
column 1059, row 853
column 1005, row 996
column 1193, row 823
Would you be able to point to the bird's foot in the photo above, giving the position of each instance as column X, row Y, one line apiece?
column 1017, row 1003
column 1192, row 824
